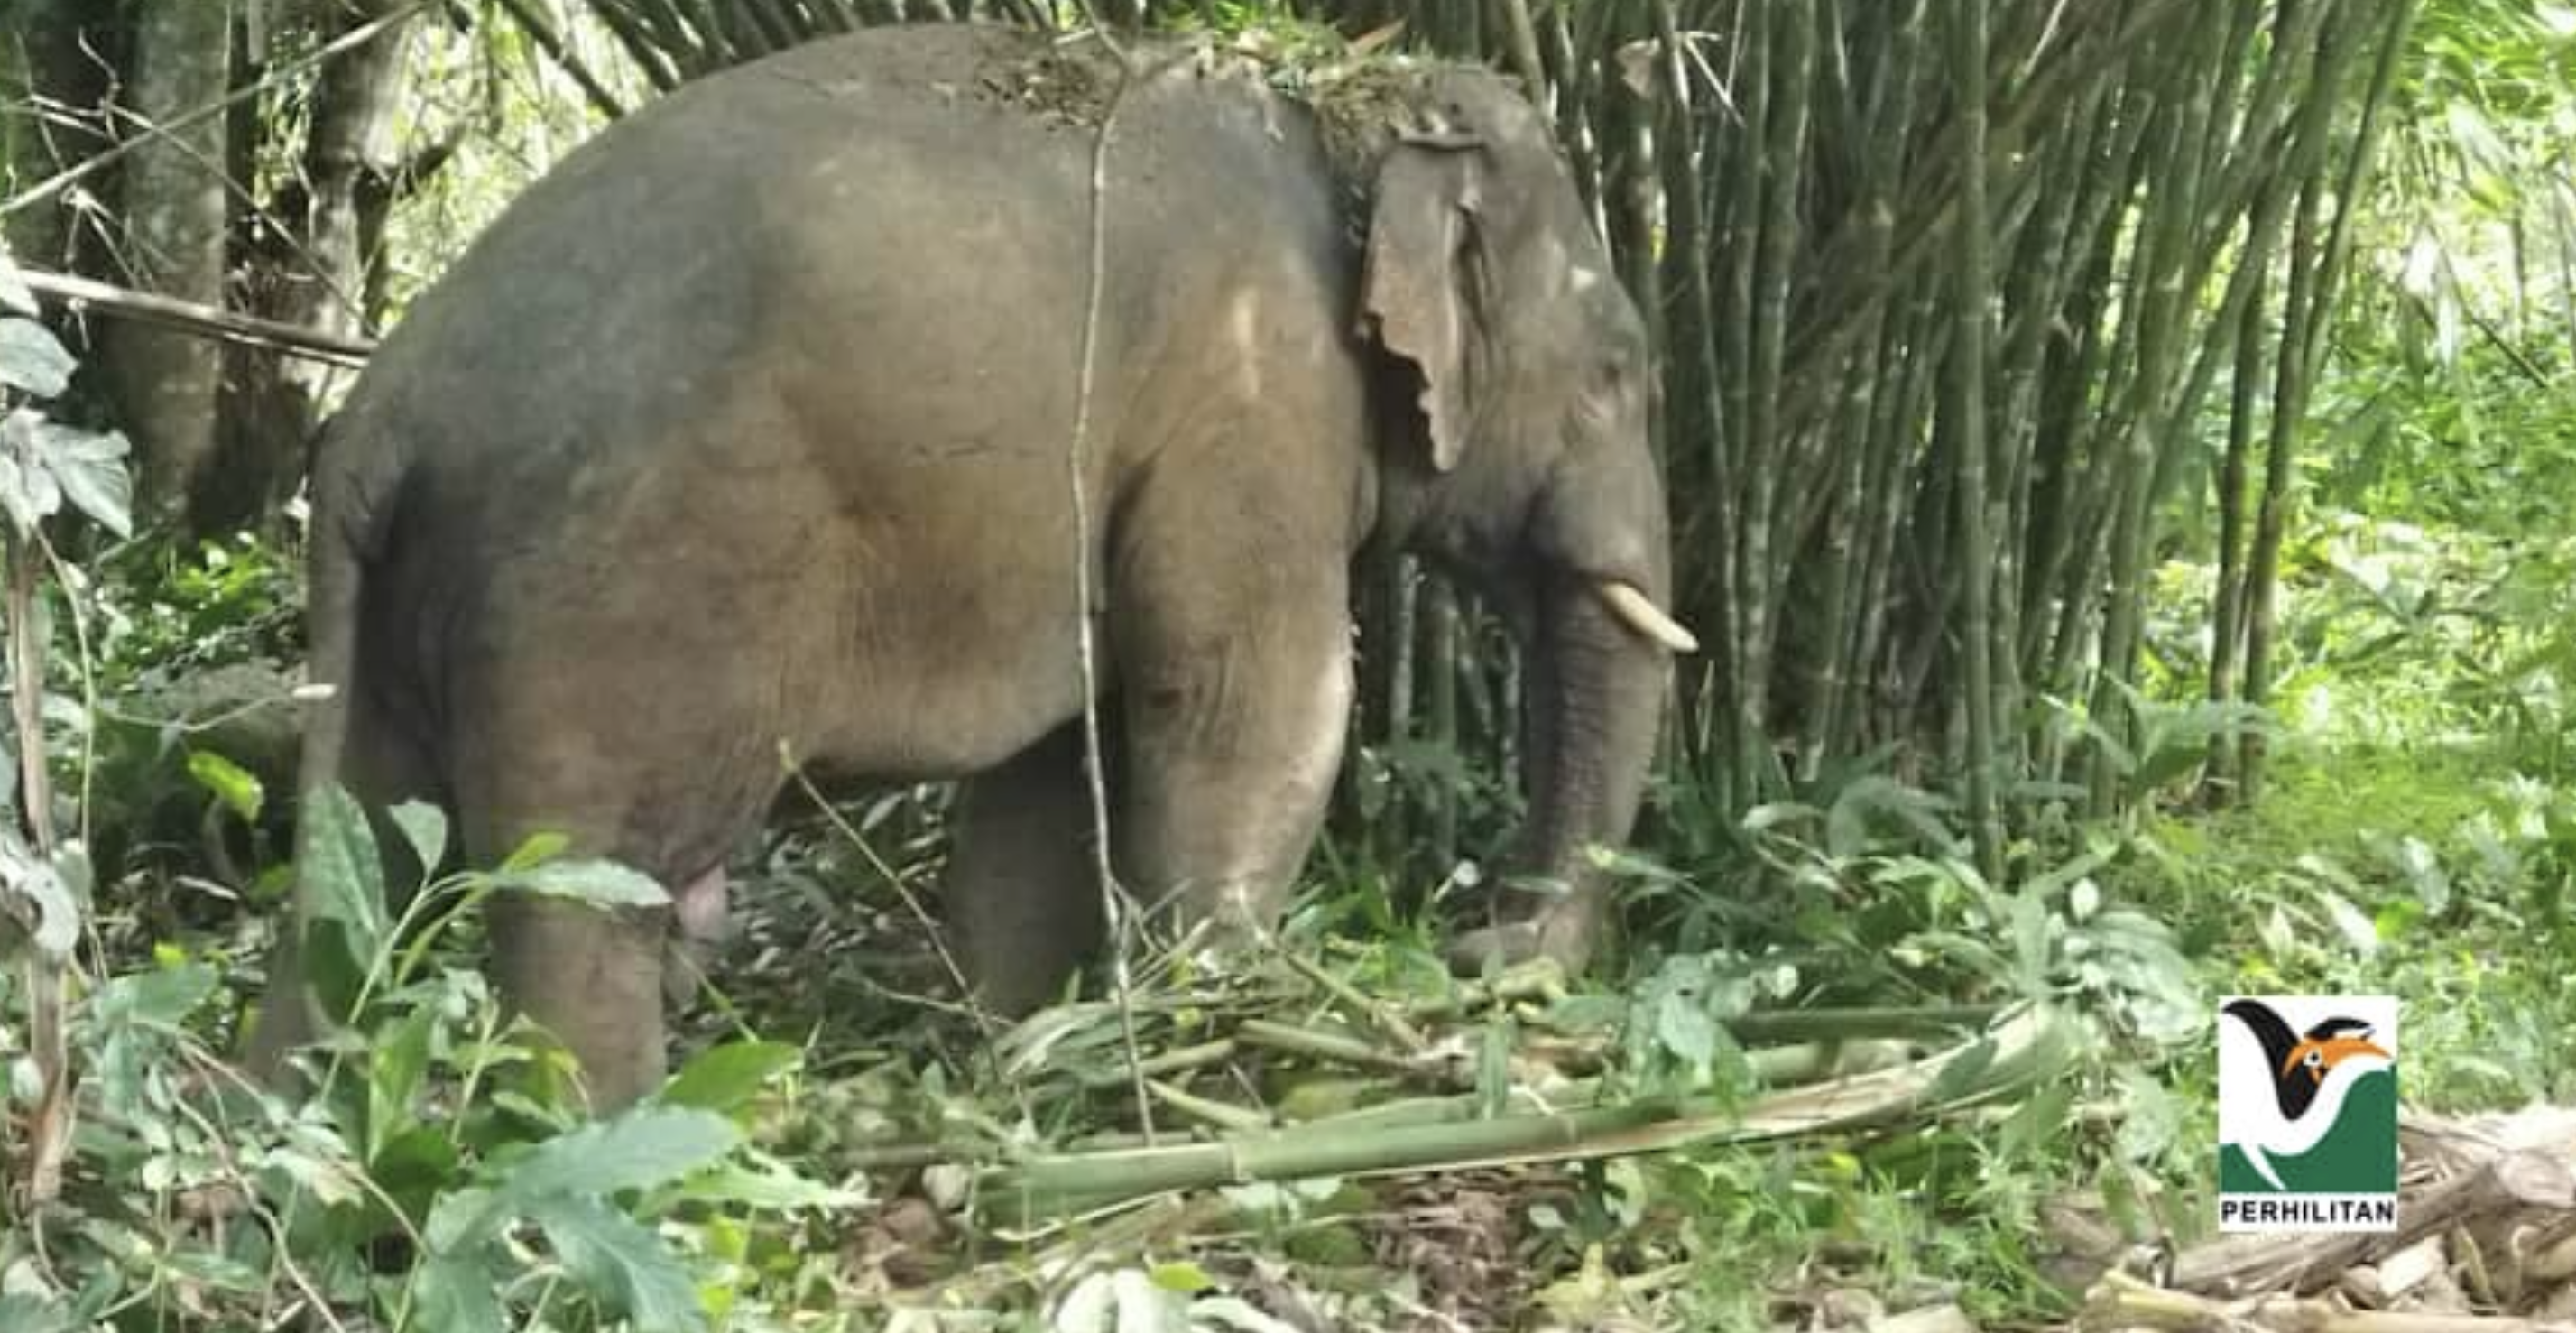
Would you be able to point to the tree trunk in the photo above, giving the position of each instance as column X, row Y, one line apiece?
column 165, row 382
column 314, row 274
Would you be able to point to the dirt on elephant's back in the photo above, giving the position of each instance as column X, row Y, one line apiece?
column 1067, row 85
column 1359, row 107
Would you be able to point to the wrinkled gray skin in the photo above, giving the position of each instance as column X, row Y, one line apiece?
column 749, row 426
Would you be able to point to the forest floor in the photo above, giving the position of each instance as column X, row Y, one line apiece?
column 2424, row 872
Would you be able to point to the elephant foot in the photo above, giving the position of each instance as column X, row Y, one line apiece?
column 1565, row 930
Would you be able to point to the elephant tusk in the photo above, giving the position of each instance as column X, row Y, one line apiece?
column 1642, row 615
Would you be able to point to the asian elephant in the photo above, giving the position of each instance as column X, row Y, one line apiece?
column 752, row 425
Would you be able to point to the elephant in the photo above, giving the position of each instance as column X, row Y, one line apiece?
column 839, row 402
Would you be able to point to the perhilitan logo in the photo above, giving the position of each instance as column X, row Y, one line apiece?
column 2307, row 1113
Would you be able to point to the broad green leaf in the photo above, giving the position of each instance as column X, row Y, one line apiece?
column 414, row 1165
column 2152, row 1117
column 601, row 883
column 397, row 1063
column 1685, row 1029
column 335, row 969
column 210, row 1269
column 57, row 914
column 457, row 1294
column 463, row 1220
column 90, row 468
column 643, row 1148
column 161, row 997
column 27, row 491
column 21, row 1312
column 1964, row 1074
column 32, row 359
column 344, row 878
column 424, row 826
column 723, row 1078
column 771, row 1188
column 618, row 1259
column 331, row 1181
column 237, row 787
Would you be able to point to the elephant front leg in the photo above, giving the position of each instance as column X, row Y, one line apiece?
column 1234, row 732
column 593, row 978
column 1022, row 902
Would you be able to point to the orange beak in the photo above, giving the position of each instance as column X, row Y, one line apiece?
column 2331, row 1052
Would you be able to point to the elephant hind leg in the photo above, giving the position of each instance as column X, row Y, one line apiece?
column 593, row 979
column 1022, row 902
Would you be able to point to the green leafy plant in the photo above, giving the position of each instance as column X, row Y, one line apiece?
column 440, row 1177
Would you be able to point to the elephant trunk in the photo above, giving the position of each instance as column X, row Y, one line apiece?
column 1594, row 694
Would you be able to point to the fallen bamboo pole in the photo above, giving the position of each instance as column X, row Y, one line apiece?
column 1042, row 1186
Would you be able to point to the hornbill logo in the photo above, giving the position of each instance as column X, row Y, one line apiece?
column 2309, row 1074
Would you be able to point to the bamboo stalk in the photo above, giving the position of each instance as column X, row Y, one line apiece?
column 1178, row 1060
column 1381, row 1016
column 1968, row 370
column 2227, row 618
column 2169, row 275
column 2292, row 369
column 1207, row 1110
column 1334, row 1046
column 2016, row 1049
column 1739, row 455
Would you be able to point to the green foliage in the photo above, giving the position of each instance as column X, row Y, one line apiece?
column 436, row 1177
column 46, row 465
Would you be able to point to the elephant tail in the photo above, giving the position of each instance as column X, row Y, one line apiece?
column 352, row 506
column 357, row 483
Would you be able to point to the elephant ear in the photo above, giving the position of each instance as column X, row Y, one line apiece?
column 1418, row 287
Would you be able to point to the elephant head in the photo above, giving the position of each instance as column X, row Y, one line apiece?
column 1522, row 381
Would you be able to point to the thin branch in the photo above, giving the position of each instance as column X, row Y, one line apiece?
column 349, row 41
column 191, row 317
column 1117, row 911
